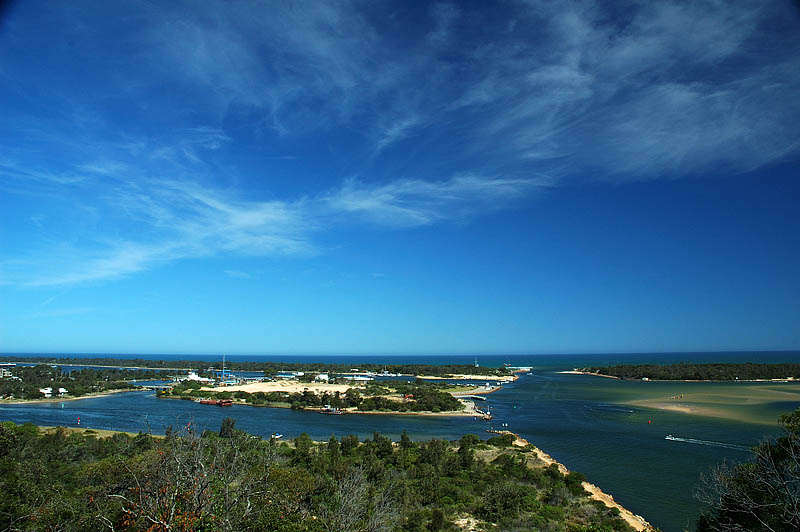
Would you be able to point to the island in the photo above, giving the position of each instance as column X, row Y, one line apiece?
column 698, row 372
column 339, row 396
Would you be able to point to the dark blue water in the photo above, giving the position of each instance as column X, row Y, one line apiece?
column 575, row 418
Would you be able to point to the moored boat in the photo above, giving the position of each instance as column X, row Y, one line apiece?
column 216, row 402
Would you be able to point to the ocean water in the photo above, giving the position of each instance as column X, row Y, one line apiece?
column 577, row 419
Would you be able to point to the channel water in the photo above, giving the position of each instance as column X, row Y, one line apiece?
column 582, row 421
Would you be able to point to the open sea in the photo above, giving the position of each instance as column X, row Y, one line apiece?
column 577, row 419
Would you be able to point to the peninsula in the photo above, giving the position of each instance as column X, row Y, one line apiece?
column 139, row 481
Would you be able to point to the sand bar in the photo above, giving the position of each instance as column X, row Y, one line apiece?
column 577, row 372
column 503, row 378
column 648, row 379
column 289, row 386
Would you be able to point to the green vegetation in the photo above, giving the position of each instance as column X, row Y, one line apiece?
column 231, row 481
column 269, row 368
column 79, row 382
column 405, row 397
column 761, row 495
column 701, row 372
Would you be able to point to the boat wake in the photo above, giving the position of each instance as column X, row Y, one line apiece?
column 670, row 437
column 608, row 408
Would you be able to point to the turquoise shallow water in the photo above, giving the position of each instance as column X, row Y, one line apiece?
column 575, row 418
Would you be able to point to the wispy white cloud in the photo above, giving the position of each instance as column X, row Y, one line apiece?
column 237, row 274
column 397, row 131
column 592, row 79
column 415, row 202
column 60, row 313
column 470, row 113
column 139, row 222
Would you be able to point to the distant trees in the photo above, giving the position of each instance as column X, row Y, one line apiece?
column 760, row 495
column 701, row 372
column 77, row 383
column 269, row 368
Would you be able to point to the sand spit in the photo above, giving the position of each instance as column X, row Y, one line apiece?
column 502, row 378
column 578, row 372
column 63, row 399
column 636, row 521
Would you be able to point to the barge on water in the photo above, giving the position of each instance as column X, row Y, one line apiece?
column 332, row 411
column 216, row 402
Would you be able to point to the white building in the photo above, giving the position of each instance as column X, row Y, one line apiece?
column 192, row 376
column 322, row 377
column 5, row 370
column 47, row 392
column 289, row 374
column 357, row 378
column 62, row 392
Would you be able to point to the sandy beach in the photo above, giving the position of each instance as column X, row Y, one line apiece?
column 289, row 386
column 468, row 411
column 61, row 399
column 292, row 386
column 576, row 372
column 482, row 378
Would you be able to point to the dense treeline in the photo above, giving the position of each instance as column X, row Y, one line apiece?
column 269, row 368
column 78, row 382
column 422, row 397
column 701, row 372
column 102, row 361
column 230, row 481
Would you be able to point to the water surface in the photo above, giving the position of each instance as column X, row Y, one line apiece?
column 584, row 422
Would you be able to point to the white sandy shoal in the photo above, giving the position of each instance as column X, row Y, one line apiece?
column 289, row 386
column 503, row 378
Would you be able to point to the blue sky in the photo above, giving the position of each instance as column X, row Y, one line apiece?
column 399, row 177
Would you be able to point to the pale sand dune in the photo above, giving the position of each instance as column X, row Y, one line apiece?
column 484, row 378
column 290, row 386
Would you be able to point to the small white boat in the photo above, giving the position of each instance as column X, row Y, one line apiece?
column 276, row 436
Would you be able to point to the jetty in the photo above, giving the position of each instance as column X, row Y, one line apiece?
column 478, row 397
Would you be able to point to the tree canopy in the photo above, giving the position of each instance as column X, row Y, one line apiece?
column 232, row 481
column 760, row 495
